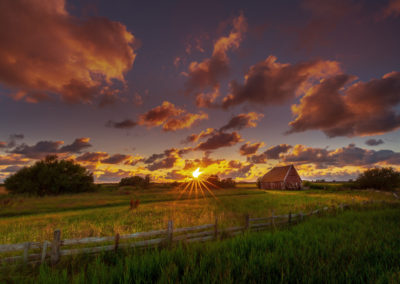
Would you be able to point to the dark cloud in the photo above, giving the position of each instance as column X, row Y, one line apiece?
column 13, row 159
column 374, row 142
column 219, row 140
column 363, row 108
column 12, row 141
column 206, row 74
column 345, row 156
column 43, row 148
column 124, row 124
column 242, row 120
column 49, row 51
column 276, row 151
column 93, row 157
column 77, row 146
column 392, row 9
column 175, row 175
column 270, row 82
column 116, row 159
column 250, row 149
column 170, row 117
column 195, row 137
column 167, row 159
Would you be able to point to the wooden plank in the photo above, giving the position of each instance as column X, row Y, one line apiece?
column 86, row 250
column 17, row 258
column 260, row 219
column 55, row 247
column 26, row 252
column 261, row 225
column 20, row 246
column 194, row 235
column 89, row 240
column 143, row 234
column 196, row 228
column 44, row 251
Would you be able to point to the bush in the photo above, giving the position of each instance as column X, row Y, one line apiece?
column 379, row 178
column 135, row 181
column 51, row 177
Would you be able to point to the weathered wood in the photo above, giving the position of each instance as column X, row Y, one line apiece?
column 170, row 231
column 247, row 222
column 216, row 228
column 89, row 240
column 26, row 252
column 196, row 228
column 44, row 252
column 143, row 234
column 116, row 242
column 17, row 247
column 260, row 219
column 55, row 247
column 86, row 250
column 272, row 219
column 260, row 225
column 194, row 235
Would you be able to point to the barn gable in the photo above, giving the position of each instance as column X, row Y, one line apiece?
column 285, row 177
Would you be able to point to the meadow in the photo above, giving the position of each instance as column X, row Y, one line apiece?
column 106, row 212
column 356, row 246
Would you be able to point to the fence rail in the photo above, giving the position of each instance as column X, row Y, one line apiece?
column 53, row 250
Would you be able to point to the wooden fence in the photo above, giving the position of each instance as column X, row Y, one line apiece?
column 54, row 250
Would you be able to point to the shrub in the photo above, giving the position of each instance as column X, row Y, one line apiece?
column 51, row 177
column 135, row 181
column 379, row 178
column 214, row 181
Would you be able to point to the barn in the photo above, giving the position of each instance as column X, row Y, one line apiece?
column 285, row 178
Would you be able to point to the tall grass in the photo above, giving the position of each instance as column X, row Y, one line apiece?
column 356, row 247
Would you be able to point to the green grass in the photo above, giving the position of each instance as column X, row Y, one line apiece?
column 106, row 212
column 352, row 247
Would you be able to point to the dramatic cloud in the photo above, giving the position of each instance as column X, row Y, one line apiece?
column 271, row 83
column 272, row 153
column 11, row 169
column 13, row 159
column 116, row 159
column 195, row 137
column 171, row 118
column 341, row 157
column 166, row 160
column 242, row 120
column 206, row 74
column 43, row 148
column 12, row 141
column 364, row 108
column 391, row 9
column 219, row 140
column 374, row 142
column 92, row 157
column 124, row 124
column 48, row 51
column 250, row 149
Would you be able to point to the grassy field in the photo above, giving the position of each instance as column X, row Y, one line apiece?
column 106, row 212
column 352, row 247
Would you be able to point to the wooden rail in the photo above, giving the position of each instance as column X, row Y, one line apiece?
column 145, row 239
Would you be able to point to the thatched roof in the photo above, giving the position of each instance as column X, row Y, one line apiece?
column 277, row 174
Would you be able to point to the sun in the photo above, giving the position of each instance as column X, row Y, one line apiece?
column 196, row 173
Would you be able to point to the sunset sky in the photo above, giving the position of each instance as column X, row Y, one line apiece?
column 232, row 87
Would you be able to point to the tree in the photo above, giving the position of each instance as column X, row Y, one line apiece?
column 135, row 181
column 51, row 177
column 379, row 178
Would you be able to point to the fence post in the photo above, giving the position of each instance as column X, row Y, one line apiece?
column 247, row 222
column 170, row 231
column 55, row 247
column 26, row 252
column 301, row 216
column 116, row 242
column 290, row 218
column 216, row 228
column 44, row 251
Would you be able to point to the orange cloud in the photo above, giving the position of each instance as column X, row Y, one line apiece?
column 171, row 118
column 48, row 51
column 205, row 74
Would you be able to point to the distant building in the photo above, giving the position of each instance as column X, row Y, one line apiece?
column 285, row 178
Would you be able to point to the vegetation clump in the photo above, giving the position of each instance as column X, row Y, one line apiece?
column 215, row 182
column 51, row 177
column 379, row 178
column 135, row 181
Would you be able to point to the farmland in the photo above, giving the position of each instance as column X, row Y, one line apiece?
column 106, row 212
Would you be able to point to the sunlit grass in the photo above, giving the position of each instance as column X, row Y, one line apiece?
column 107, row 212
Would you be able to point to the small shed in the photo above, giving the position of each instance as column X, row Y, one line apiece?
column 285, row 178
